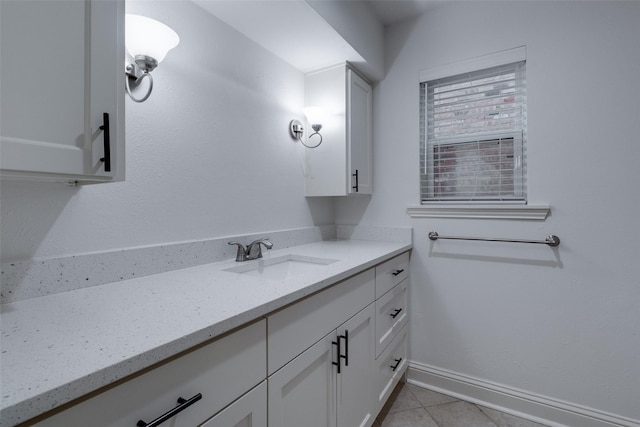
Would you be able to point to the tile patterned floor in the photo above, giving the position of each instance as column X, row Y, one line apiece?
column 412, row 406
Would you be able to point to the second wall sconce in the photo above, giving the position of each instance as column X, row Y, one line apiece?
column 148, row 42
column 315, row 116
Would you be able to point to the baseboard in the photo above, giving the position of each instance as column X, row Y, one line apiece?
column 523, row 404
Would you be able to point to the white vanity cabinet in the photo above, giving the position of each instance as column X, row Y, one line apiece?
column 312, row 391
column 335, row 357
column 62, row 79
column 333, row 382
column 213, row 375
column 330, row 359
column 343, row 164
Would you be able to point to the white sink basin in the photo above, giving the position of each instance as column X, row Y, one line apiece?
column 281, row 267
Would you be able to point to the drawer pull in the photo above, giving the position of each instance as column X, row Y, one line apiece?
column 395, row 273
column 398, row 362
column 395, row 313
column 182, row 405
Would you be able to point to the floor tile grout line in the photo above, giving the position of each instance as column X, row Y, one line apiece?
column 426, row 408
column 485, row 415
column 434, row 420
column 421, row 405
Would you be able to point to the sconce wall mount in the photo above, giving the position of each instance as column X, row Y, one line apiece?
column 316, row 117
column 136, row 73
column 295, row 129
column 297, row 132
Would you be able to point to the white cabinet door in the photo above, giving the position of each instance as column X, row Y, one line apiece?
column 359, row 134
column 312, row 391
column 357, row 381
column 61, row 75
column 302, row 393
column 343, row 164
column 248, row 411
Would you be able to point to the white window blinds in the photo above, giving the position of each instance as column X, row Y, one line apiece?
column 473, row 129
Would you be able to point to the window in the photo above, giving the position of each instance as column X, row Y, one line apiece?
column 472, row 138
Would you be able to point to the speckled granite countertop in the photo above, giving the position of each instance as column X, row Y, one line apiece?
column 59, row 347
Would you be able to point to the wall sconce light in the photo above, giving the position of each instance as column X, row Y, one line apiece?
column 148, row 42
column 315, row 116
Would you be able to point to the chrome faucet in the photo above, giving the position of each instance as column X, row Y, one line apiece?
column 252, row 250
column 241, row 255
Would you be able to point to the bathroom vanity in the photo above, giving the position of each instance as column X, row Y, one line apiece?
column 321, row 343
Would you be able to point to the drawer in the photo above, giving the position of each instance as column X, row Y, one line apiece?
column 391, row 272
column 248, row 411
column 297, row 327
column 391, row 366
column 391, row 315
column 221, row 371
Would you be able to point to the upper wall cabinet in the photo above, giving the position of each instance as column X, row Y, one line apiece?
column 62, row 79
column 343, row 164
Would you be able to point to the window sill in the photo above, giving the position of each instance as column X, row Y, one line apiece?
column 522, row 212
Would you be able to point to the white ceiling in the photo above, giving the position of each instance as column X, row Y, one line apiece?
column 393, row 11
column 286, row 28
column 289, row 28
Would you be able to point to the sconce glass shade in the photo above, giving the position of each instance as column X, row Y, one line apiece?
column 315, row 115
column 146, row 37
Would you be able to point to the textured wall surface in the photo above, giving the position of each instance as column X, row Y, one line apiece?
column 561, row 324
column 208, row 155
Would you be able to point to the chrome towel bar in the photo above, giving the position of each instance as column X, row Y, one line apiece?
column 551, row 240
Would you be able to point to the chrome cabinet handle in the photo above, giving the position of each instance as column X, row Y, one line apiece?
column 182, row 405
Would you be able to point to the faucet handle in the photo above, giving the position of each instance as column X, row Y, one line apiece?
column 241, row 254
column 254, row 250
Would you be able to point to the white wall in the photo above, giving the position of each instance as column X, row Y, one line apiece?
column 208, row 155
column 357, row 23
column 565, row 324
